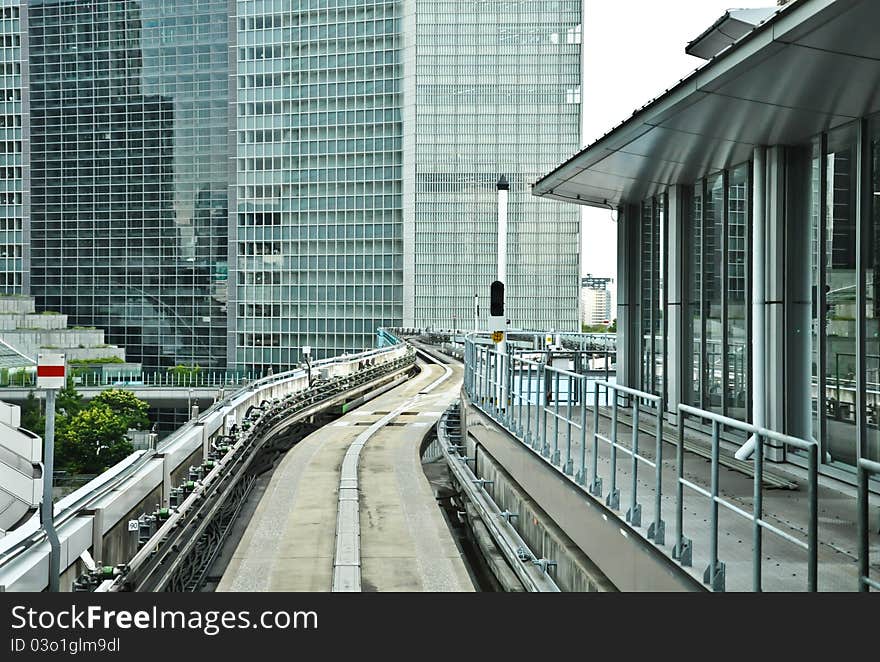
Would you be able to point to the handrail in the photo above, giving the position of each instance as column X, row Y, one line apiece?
column 865, row 468
column 511, row 390
column 715, row 572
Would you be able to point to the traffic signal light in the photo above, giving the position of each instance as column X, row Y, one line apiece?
column 496, row 299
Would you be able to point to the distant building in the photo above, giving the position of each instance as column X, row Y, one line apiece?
column 595, row 300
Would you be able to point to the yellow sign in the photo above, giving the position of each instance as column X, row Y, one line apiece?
column 497, row 336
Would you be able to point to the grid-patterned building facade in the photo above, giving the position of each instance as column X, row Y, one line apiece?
column 220, row 182
column 14, row 148
column 319, row 251
column 495, row 89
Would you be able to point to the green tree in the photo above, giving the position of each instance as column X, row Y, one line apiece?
column 613, row 327
column 69, row 401
column 31, row 418
column 183, row 374
column 93, row 440
column 125, row 405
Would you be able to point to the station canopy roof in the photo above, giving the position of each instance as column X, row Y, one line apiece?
column 12, row 358
column 810, row 67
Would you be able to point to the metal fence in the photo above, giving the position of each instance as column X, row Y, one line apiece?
column 715, row 572
column 866, row 469
column 544, row 406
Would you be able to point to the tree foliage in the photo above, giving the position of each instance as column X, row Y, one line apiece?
column 183, row 374
column 69, row 401
column 93, row 440
column 31, row 417
column 90, row 438
column 125, row 405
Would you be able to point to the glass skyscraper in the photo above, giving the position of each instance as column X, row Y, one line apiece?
column 129, row 172
column 318, row 177
column 220, row 182
column 14, row 148
column 496, row 90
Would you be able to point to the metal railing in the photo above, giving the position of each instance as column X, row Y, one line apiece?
column 714, row 575
column 507, row 387
column 866, row 468
column 544, row 406
column 657, row 528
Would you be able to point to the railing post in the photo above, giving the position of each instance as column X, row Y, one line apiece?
column 581, row 476
column 682, row 551
column 545, row 445
column 657, row 528
column 634, row 514
column 714, row 574
column 813, row 536
column 757, row 513
column 555, row 458
column 568, row 467
column 527, row 437
column 519, row 390
column 613, row 499
column 864, row 542
column 596, row 486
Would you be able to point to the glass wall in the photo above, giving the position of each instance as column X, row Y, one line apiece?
column 713, row 224
column 835, row 239
column 653, row 263
column 694, row 253
column 839, row 260
column 736, row 370
column 717, row 254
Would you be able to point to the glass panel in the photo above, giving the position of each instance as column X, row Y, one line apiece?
column 657, row 293
column 872, row 310
column 696, row 278
column 840, row 293
column 713, row 226
column 817, row 257
column 646, row 307
column 736, row 388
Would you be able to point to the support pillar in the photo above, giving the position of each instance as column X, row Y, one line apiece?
column 673, row 285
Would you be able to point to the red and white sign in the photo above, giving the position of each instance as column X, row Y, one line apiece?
column 51, row 370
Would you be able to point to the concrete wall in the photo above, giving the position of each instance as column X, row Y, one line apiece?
column 574, row 570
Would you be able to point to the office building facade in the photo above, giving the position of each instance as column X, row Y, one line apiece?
column 595, row 300
column 494, row 89
column 220, row 182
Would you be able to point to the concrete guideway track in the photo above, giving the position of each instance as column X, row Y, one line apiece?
column 295, row 539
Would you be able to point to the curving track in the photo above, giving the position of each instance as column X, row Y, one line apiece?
column 349, row 507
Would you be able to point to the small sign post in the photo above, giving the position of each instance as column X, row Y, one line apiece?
column 51, row 375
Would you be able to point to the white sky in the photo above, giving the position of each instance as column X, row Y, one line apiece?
column 633, row 51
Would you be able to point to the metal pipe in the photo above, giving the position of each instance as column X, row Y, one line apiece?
column 864, row 542
column 596, row 486
column 634, row 516
column 713, row 510
column 759, row 332
column 556, row 418
column 583, row 473
column 567, row 467
column 813, row 531
column 659, row 537
column 47, row 507
column 679, row 488
column 757, row 514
